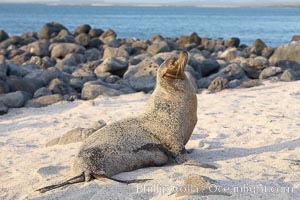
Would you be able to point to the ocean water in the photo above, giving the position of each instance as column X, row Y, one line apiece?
column 275, row 26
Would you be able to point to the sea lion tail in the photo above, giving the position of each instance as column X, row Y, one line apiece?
column 77, row 179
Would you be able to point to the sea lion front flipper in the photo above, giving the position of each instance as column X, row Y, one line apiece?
column 199, row 164
column 76, row 179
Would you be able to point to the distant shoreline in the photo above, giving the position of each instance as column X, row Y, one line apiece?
column 248, row 5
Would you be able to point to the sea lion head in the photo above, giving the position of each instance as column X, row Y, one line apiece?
column 171, row 71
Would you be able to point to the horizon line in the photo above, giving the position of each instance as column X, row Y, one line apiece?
column 206, row 5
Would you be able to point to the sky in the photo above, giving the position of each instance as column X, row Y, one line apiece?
column 166, row 1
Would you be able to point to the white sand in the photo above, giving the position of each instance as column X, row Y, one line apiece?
column 247, row 133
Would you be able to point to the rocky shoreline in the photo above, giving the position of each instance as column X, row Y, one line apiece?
column 39, row 69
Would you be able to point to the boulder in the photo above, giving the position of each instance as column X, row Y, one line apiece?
column 114, row 52
column 92, row 54
column 234, row 84
column 142, row 77
column 4, row 87
column 214, row 45
column 257, row 47
column 143, row 44
column 203, row 83
column 14, row 99
column 60, row 50
column 254, row 66
column 50, row 30
column 84, row 28
column 43, row 91
column 90, row 91
column 194, row 38
column 47, row 62
column 80, row 76
column 259, row 62
column 44, row 101
column 3, row 68
column 82, row 39
column 289, row 75
column 93, row 33
column 59, row 87
column 269, row 72
column 218, row 84
column 39, row 48
column 15, row 70
column 95, row 43
column 112, row 79
column 156, row 38
column 3, row 35
column 183, row 41
column 29, row 35
column 233, row 71
column 23, row 84
column 208, row 66
column 72, row 59
column 267, row 52
column 21, row 59
column 295, row 38
column 232, row 42
column 3, row 108
column 45, row 76
column 250, row 83
column 231, row 53
column 158, row 47
column 27, row 41
column 287, row 56
column 113, row 65
column 108, row 36
column 63, row 37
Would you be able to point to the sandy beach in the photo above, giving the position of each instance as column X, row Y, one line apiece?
column 250, row 135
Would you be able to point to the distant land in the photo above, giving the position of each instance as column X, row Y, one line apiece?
column 178, row 4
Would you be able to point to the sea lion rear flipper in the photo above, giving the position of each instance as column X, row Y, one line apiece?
column 123, row 181
column 76, row 179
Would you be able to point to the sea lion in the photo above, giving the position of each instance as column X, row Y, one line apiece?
column 153, row 138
